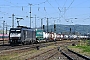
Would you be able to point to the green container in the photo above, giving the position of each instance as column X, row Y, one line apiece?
column 39, row 34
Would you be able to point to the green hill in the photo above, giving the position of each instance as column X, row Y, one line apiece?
column 65, row 29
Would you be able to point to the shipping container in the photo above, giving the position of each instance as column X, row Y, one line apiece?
column 39, row 35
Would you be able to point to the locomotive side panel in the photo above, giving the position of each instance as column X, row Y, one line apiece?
column 28, row 36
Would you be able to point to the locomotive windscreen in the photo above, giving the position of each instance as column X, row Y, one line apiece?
column 15, row 33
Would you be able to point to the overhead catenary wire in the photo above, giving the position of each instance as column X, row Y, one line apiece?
column 51, row 5
column 64, row 3
column 65, row 9
column 70, row 5
column 58, row 6
column 40, row 3
column 14, row 5
column 23, row 6
column 44, row 8
column 57, row 3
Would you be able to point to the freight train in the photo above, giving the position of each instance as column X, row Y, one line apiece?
column 25, row 35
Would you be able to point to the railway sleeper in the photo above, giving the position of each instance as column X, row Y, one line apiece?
column 70, row 55
column 67, row 55
column 84, row 57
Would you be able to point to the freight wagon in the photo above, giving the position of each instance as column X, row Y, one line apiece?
column 40, row 35
column 52, row 36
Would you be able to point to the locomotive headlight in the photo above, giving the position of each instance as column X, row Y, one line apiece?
column 19, row 35
column 10, row 35
column 10, row 40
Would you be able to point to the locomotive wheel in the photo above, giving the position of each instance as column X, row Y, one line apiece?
column 30, row 42
column 12, row 44
column 23, row 43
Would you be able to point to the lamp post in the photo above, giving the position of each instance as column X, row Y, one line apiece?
column 30, row 15
column 41, row 23
column 6, row 26
column 30, row 19
column 35, row 21
column 12, row 20
column 47, row 24
column 3, row 31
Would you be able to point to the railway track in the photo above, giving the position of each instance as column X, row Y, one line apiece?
column 71, row 55
column 8, row 48
column 51, row 54
column 48, row 55
column 23, row 50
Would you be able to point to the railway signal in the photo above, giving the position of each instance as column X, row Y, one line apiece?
column 70, row 29
column 54, row 27
column 43, row 27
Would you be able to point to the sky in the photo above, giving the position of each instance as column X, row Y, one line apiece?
column 66, row 12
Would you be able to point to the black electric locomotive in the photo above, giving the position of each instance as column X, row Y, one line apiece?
column 22, row 35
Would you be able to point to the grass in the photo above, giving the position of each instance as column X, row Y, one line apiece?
column 7, row 57
column 82, row 48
